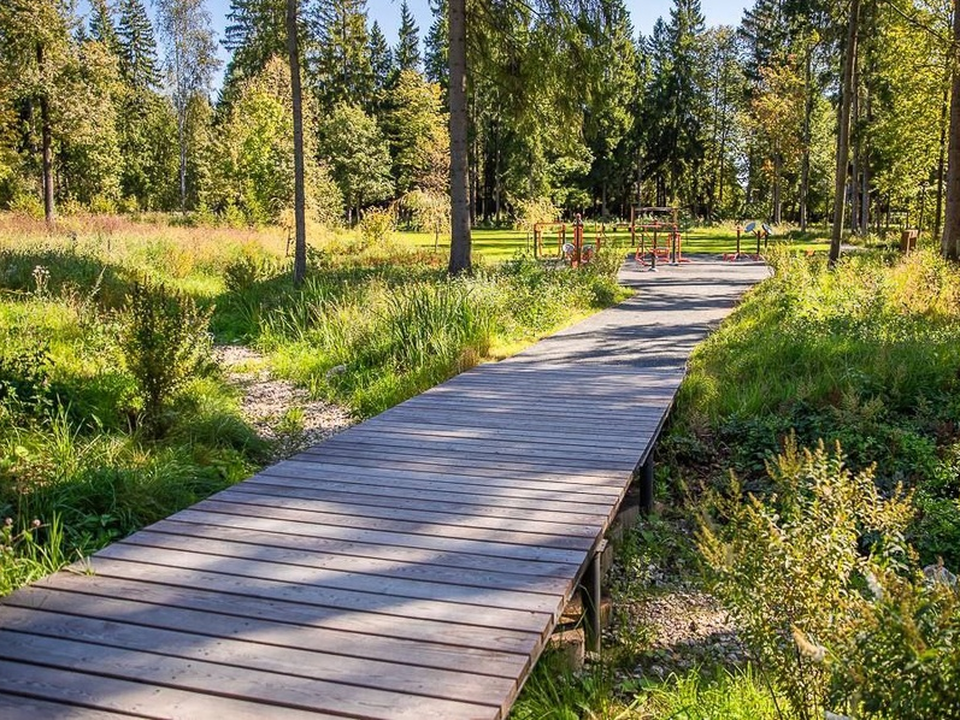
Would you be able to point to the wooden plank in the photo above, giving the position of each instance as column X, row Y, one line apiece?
column 597, row 489
column 281, row 521
column 130, row 696
column 266, row 551
column 270, row 632
column 321, row 547
column 273, row 510
column 435, row 506
column 469, row 465
column 561, row 502
column 225, row 681
column 298, row 661
column 321, row 587
column 521, row 429
column 595, row 455
column 231, row 597
column 490, row 417
column 18, row 707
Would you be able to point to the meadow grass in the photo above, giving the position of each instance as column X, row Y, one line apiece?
column 375, row 323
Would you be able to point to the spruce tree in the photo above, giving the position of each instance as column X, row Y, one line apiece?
column 340, row 69
column 137, row 46
column 435, row 61
column 102, row 28
column 255, row 32
column 381, row 58
column 408, row 43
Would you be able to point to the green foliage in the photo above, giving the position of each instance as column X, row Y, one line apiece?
column 165, row 339
column 28, row 553
column 351, row 142
column 867, row 354
column 905, row 661
column 790, row 567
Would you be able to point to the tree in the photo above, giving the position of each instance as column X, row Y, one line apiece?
column 843, row 130
column 381, row 59
column 254, row 155
column 416, row 130
column 340, row 66
column 102, row 28
column 36, row 52
column 436, row 61
column 351, row 143
column 255, row 32
column 191, row 62
column 459, row 125
column 950, row 242
column 408, row 43
column 137, row 45
column 296, row 95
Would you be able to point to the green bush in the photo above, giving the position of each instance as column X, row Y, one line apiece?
column 165, row 339
column 793, row 568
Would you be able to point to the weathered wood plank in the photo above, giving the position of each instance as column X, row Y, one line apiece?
column 262, row 600
column 118, row 693
column 320, row 547
column 217, row 624
column 491, row 497
column 268, row 551
column 337, row 468
column 436, row 511
column 298, row 661
column 430, row 602
column 273, row 510
column 18, row 707
column 281, row 521
column 225, row 681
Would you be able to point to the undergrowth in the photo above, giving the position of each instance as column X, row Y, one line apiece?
column 112, row 413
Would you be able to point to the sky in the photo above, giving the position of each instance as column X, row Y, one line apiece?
column 387, row 12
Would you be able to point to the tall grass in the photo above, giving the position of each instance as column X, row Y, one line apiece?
column 374, row 324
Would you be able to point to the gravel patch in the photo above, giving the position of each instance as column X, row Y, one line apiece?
column 279, row 411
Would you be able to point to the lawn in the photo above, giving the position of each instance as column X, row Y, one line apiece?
column 503, row 244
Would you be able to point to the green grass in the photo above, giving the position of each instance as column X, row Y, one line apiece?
column 375, row 323
column 498, row 245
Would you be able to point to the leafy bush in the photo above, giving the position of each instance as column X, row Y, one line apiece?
column 817, row 576
column 164, row 340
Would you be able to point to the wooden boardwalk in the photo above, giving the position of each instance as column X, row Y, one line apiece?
column 411, row 567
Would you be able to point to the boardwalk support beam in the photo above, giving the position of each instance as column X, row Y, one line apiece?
column 646, row 485
column 592, row 581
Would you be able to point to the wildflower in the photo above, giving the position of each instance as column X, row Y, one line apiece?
column 8, row 522
column 875, row 587
column 35, row 524
column 814, row 653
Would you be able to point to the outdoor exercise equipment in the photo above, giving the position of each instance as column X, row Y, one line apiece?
column 761, row 231
column 571, row 247
column 672, row 251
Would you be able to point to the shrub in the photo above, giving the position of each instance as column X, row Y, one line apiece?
column 793, row 569
column 164, row 340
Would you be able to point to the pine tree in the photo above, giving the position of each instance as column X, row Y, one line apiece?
column 381, row 58
column 408, row 44
column 340, row 68
column 255, row 33
column 102, row 28
column 138, row 46
column 435, row 61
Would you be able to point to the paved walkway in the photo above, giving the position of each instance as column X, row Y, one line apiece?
column 411, row 567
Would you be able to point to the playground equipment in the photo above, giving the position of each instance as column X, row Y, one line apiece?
column 672, row 251
column 762, row 231
column 574, row 250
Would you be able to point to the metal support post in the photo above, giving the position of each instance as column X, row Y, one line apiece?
column 591, row 603
column 646, row 486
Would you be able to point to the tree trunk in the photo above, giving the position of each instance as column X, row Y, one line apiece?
column 299, row 196
column 941, row 165
column 459, row 175
column 182, row 138
column 843, row 132
column 807, row 121
column 46, row 135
